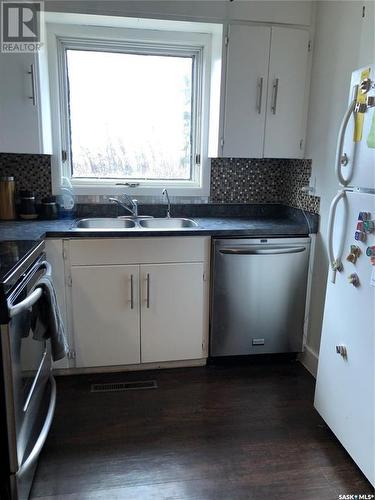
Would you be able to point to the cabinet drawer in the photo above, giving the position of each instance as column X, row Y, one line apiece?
column 139, row 250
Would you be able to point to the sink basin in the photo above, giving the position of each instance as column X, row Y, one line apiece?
column 141, row 222
column 105, row 223
column 167, row 223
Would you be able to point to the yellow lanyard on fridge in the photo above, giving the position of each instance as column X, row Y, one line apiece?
column 360, row 117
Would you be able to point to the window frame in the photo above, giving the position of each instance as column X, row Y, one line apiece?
column 196, row 45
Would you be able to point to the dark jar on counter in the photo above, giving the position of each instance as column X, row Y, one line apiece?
column 27, row 207
column 48, row 208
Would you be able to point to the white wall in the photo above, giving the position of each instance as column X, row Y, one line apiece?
column 344, row 41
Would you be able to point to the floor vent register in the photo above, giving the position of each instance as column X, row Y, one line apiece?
column 124, row 386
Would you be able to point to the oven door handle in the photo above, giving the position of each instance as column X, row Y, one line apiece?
column 43, row 433
column 36, row 380
column 27, row 303
column 33, row 297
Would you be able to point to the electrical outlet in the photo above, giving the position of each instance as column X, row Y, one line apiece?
column 311, row 188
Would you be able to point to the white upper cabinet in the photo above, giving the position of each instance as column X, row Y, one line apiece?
column 18, row 112
column 22, row 102
column 246, row 96
column 266, row 92
column 287, row 94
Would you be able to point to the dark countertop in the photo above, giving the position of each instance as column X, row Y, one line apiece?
column 19, row 238
column 207, row 226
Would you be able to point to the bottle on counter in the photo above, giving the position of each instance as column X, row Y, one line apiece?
column 27, row 208
column 7, row 198
column 66, row 199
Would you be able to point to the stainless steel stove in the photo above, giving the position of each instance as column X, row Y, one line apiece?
column 28, row 390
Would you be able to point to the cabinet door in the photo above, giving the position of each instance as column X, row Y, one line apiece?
column 287, row 93
column 20, row 131
column 172, row 312
column 246, row 91
column 105, row 304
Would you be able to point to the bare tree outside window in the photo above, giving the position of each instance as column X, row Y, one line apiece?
column 130, row 115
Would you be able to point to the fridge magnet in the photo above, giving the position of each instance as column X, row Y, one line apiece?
column 353, row 279
column 360, row 236
column 368, row 226
column 354, row 253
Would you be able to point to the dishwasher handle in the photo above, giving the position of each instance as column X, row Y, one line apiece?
column 261, row 251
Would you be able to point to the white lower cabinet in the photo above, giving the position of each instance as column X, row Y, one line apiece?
column 172, row 315
column 106, row 318
column 124, row 314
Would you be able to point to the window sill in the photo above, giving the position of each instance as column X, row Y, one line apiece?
column 111, row 188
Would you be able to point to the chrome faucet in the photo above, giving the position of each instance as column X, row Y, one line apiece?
column 165, row 193
column 130, row 205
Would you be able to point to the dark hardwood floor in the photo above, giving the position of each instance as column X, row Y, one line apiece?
column 247, row 432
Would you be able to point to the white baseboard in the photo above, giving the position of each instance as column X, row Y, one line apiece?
column 309, row 359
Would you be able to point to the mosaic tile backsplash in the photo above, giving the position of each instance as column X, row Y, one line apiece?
column 233, row 180
column 239, row 180
column 30, row 171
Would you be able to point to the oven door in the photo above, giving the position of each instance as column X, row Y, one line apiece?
column 30, row 398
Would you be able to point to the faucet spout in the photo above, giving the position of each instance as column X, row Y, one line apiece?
column 165, row 193
column 130, row 205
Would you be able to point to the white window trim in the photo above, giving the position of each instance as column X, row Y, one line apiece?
column 60, row 34
column 64, row 43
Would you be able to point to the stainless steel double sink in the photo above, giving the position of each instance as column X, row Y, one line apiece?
column 142, row 222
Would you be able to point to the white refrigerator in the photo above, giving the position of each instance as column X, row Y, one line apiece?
column 344, row 394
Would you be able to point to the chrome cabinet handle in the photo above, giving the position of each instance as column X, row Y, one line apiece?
column 148, row 291
column 131, row 292
column 259, row 95
column 33, row 85
column 275, row 89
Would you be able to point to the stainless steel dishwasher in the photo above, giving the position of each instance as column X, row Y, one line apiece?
column 258, row 295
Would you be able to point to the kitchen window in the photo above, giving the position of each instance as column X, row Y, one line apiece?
column 132, row 107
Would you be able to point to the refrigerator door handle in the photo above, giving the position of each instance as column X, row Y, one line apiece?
column 334, row 262
column 341, row 137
